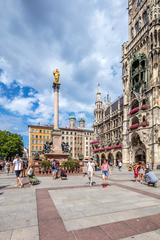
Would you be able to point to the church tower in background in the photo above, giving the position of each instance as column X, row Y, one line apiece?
column 141, row 83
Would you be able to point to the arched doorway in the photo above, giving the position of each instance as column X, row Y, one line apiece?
column 139, row 148
column 140, row 155
column 97, row 160
column 118, row 157
column 103, row 157
column 110, row 159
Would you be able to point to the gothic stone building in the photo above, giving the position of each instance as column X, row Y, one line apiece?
column 141, row 83
column 108, row 121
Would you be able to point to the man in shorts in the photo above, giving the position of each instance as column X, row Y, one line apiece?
column 90, row 171
column 17, row 164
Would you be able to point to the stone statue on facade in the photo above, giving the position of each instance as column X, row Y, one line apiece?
column 56, row 75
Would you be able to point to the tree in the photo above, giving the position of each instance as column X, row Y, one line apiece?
column 10, row 145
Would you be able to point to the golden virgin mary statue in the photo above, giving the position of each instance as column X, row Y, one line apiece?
column 56, row 75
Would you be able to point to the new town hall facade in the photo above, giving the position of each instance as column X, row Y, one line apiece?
column 134, row 129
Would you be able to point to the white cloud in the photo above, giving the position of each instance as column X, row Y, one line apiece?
column 18, row 105
column 84, row 46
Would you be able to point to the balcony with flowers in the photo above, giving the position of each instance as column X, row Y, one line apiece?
column 94, row 142
column 145, row 107
column 135, row 123
column 144, row 123
column 107, row 148
column 134, row 126
column 134, row 110
column 134, row 107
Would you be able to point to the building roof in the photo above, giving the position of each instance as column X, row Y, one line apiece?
column 41, row 126
column 63, row 129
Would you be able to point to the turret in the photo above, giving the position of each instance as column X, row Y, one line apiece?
column 72, row 121
column 81, row 123
column 98, row 112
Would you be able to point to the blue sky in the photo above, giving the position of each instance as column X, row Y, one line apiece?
column 82, row 38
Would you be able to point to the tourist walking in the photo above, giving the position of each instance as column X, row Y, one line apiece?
column 17, row 163
column 105, row 172
column 90, row 171
column 119, row 165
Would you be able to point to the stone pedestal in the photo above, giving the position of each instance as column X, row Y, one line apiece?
column 57, row 140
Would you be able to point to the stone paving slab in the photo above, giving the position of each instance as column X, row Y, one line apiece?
column 153, row 235
column 28, row 233
column 18, row 209
column 5, row 235
column 111, row 231
column 87, row 207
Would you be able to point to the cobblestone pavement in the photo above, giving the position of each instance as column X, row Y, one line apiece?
column 71, row 209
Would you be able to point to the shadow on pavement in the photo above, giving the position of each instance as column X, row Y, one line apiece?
column 5, row 186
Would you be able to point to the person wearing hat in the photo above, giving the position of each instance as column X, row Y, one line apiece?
column 18, row 165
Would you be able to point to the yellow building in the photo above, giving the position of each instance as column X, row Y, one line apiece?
column 78, row 138
column 38, row 136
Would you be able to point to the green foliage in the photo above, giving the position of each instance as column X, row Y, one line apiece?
column 10, row 145
column 46, row 164
column 70, row 164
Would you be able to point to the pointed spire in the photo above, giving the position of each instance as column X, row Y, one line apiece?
column 98, row 94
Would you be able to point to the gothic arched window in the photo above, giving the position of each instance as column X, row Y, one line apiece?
column 139, row 73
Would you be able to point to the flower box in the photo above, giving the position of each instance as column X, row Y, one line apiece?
column 134, row 110
column 134, row 126
column 108, row 148
column 99, row 150
column 94, row 142
column 144, row 124
column 144, row 107
column 118, row 146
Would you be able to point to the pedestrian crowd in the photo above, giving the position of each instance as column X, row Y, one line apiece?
column 142, row 172
column 21, row 169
